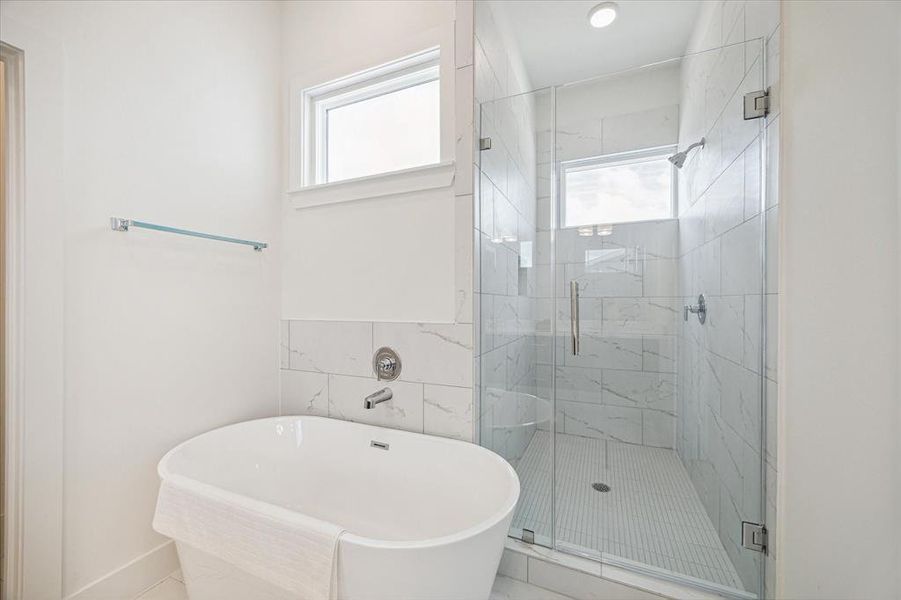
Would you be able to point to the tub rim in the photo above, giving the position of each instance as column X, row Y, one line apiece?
column 274, row 510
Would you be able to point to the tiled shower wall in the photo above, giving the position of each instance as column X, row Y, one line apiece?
column 326, row 366
column 720, row 222
column 505, row 233
column 621, row 385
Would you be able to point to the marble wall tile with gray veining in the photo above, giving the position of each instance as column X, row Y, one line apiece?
column 751, row 507
column 608, row 272
column 576, row 384
column 652, row 239
column 506, row 223
column 448, row 411
column 739, row 401
column 658, row 429
column 598, row 351
column 641, row 315
column 658, row 353
column 430, row 352
column 726, row 450
column 485, row 224
column 724, row 79
column 403, row 411
column 512, row 272
column 707, row 270
column 661, row 277
column 506, row 319
column 691, row 224
column 741, row 256
column 604, row 422
column 737, row 132
column 493, row 267
column 751, row 332
column 304, row 393
column 725, row 201
column 520, row 360
column 725, row 326
column 639, row 389
column 578, row 139
column 331, row 347
column 640, row 130
column 493, row 375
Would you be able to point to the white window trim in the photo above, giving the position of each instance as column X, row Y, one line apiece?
column 398, row 75
column 619, row 158
column 334, row 70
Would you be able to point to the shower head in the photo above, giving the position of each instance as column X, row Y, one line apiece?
column 678, row 158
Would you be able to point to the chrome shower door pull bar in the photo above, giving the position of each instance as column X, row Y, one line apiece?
column 574, row 315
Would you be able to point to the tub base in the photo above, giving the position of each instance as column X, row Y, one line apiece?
column 211, row 578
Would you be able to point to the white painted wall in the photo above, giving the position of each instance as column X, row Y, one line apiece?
column 385, row 259
column 168, row 113
column 838, row 450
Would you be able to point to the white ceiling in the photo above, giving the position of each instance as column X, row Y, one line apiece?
column 559, row 46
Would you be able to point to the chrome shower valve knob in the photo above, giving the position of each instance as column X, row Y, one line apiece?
column 699, row 309
column 386, row 364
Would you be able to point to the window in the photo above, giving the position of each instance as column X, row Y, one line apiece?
column 379, row 121
column 618, row 188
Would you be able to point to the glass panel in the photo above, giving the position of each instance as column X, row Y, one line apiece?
column 515, row 354
column 390, row 132
column 658, row 444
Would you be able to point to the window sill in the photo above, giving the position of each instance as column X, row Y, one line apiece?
column 429, row 177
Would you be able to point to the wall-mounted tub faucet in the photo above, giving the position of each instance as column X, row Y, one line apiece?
column 383, row 395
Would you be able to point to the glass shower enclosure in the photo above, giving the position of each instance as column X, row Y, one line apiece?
column 620, row 298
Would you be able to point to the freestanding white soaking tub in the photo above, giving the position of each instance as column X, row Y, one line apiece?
column 424, row 519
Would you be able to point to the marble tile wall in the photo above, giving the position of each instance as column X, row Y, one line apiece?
column 723, row 216
column 326, row 366
column 327, row 371
column 505, row 231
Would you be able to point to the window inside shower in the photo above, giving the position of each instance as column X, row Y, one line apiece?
column 622, row 188
column 637, row 431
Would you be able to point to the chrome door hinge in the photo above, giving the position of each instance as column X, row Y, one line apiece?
column 757, row 104
column 753, row 536
column 485, row 143
column 528, row 536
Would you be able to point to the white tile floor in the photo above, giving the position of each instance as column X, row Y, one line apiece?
column 504, row 588
column 652, row 514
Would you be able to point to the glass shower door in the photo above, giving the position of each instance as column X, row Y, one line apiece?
column 659, row 392
column 514, row 304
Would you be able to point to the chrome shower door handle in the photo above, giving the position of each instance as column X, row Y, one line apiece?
column 574, row 315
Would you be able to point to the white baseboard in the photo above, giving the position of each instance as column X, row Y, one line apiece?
column 133, row 578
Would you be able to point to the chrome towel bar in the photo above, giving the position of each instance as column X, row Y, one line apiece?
column 120, row 224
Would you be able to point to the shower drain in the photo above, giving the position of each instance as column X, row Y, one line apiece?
column 600, row 487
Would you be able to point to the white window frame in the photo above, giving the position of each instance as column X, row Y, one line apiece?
column 619, row 158
column 394, row 76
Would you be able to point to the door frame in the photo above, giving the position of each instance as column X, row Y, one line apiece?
column 35, row 284
column 12, row 237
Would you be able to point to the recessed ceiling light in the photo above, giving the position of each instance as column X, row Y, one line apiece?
column 602, row 15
